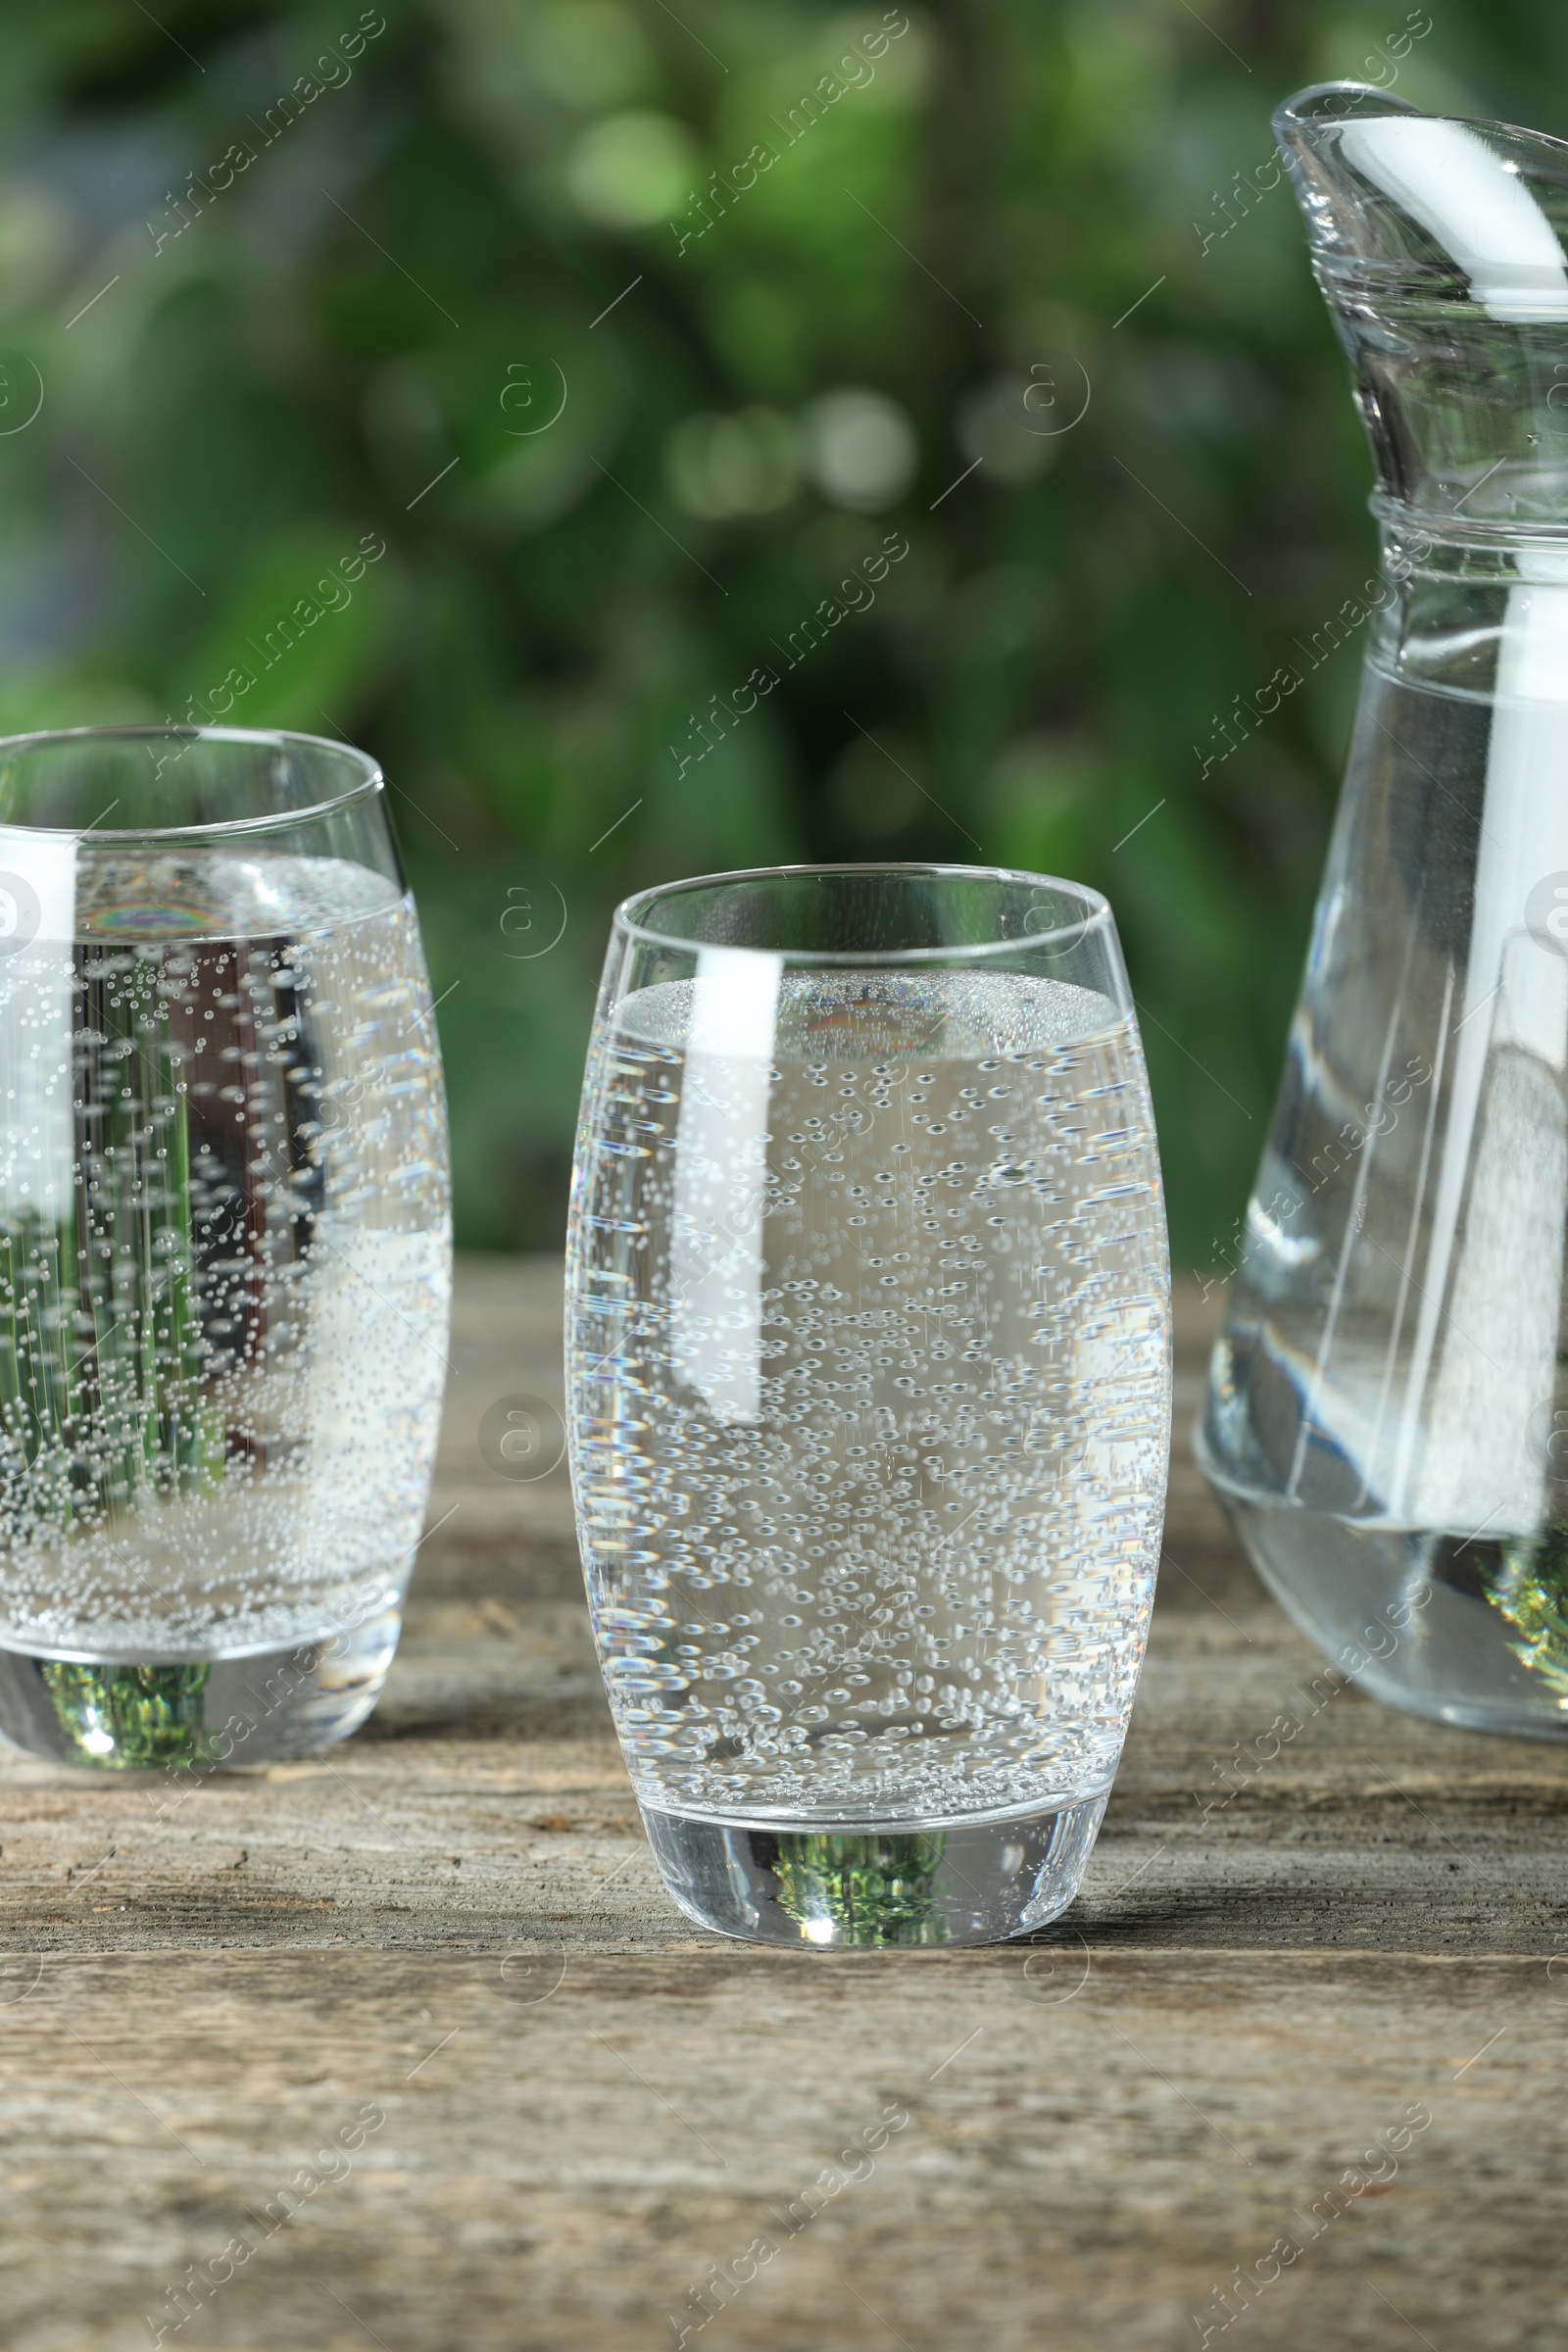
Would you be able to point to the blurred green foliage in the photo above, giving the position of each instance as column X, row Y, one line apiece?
column 286, row 274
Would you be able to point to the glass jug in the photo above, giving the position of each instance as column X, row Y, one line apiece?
column 1387, row 1410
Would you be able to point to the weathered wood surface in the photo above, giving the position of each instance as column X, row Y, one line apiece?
column 452, row 1923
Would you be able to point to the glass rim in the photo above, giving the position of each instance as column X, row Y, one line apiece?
column 1098, row 914
column 371, row 779
column 1305, row 109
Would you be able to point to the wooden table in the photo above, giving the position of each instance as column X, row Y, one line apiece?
column 453, row 1924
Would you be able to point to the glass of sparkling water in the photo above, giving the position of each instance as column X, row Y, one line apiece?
column 870, row 1358
column 225, row 1244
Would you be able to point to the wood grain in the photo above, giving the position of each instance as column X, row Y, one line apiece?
column 452, row 1923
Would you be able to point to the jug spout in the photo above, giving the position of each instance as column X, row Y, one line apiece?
column 1439, row 247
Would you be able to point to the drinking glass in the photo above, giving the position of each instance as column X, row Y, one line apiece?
column 869, row 1361
column 225, row 1244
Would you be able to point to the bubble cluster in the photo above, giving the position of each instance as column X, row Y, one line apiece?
column 224, row 1257
column 870, row 1363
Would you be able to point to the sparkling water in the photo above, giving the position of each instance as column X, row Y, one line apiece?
column 225, row 1269
column 1388, row 1414
column 872, row 1391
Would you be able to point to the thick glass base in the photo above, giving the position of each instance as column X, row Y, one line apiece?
column 933, row 1882
column 126, row 1716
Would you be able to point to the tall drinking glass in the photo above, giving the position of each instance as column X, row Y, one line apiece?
column 225, row 1244
column 869, row 1358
